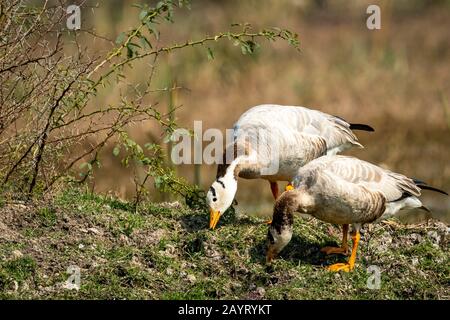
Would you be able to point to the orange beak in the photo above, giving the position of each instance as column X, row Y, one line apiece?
column 214, row 217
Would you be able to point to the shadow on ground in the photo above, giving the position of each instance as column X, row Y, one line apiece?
column 299, row 250
column 195, row 222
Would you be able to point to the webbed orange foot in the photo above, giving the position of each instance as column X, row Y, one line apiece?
column 335, row 250
column 347, row 267
column 268, row 221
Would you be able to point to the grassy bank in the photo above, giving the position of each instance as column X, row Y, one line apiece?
column 166, row 252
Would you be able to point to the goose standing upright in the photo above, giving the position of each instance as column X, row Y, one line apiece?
column 285, row 136
column 343, row 190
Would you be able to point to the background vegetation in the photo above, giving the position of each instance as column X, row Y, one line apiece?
column 85, row 118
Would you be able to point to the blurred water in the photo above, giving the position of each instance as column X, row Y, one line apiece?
column 440, row 210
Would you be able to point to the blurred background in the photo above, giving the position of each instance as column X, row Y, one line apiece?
column 396, row 79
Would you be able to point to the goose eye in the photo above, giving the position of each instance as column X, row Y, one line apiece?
column 214, row 199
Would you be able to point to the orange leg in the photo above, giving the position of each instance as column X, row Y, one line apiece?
column 343, row 249
column 274, row 188
column 347, row 267
column 275, row 193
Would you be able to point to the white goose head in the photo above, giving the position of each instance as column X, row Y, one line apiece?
column 221, row 195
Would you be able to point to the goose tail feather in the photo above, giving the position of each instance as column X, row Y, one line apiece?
column 362, row 127
column 424, row 186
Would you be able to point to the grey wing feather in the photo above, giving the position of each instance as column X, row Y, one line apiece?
column 335, row 131
column 392, row 185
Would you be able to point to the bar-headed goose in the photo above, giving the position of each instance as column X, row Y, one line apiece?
column 343, row 190
column 272, row 142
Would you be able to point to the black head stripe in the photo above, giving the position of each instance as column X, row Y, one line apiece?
column 213, row 191
column 221, row 182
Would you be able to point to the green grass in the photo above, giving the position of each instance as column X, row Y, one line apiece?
column 167, row 252
column 15, row 272
column 47, row 216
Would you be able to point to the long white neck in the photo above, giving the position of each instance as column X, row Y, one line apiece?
column 230, row 177
column 230, row 180
column 231, row 172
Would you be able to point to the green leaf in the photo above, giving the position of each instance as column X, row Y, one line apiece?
column 152, row 29
column 129, row 52
column 158, row 182
column 116, row 151
column 120, row 38
column 131, row 44
column 210, row 54
column 82, row 165
column 161, row 5
column 167, row 138
column 249, row 47
column 145, row 43
column 149, row 145
column 184, row 3
column 244, row 48
column 143, row 14
column 146, row 161
column 86, row 164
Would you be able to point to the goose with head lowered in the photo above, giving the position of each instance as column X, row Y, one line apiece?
column 272, row 142
column 345, row 191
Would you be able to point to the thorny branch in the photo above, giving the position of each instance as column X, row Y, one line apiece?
column 48, row 121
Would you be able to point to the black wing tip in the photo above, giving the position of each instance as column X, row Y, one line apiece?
column 427, row 187
column 360, row 126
